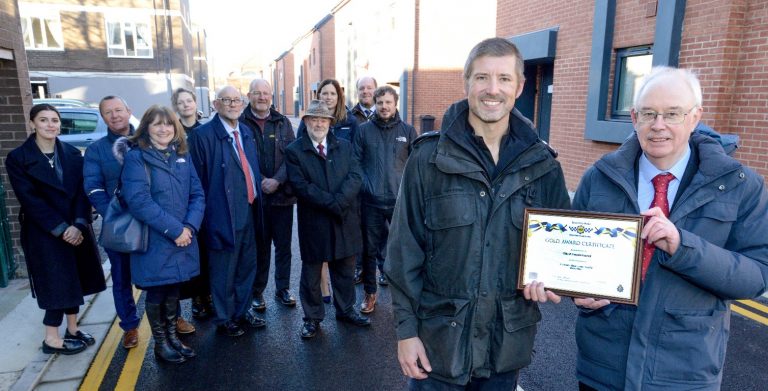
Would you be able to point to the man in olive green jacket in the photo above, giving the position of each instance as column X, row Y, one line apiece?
column 456, row 231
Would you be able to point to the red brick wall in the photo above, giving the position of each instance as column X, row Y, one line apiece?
column 285, row 86
column 726, row 42
column 435, row 91
column 15, row 102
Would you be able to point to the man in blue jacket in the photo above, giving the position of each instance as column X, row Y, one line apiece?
column 224, row 154
column 101, row 172
column 706, row 244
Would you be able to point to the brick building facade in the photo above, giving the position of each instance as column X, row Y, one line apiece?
column 724, row 42
column 15, row 102
column 139, row 49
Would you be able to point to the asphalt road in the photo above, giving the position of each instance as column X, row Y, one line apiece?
column 343, row 357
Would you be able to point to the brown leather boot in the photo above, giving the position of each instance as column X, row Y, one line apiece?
column 184, row 327
column 369, row 303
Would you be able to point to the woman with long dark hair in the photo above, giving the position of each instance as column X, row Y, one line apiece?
column 344, row 122
column 59, row 247
column 161, row 188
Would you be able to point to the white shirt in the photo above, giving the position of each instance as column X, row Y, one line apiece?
column 324, row 143
column 647, row 171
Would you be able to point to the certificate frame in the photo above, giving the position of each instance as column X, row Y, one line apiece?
column 582, row 254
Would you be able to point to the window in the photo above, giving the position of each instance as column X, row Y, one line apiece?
column 128, row 38
column 78, row 123
column 631, row 65
column 42, row 31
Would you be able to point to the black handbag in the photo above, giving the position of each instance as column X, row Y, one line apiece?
column 120, row 231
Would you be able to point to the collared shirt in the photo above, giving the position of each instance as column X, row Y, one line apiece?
column 324, row 143
column 647, row 171
column 231, row 131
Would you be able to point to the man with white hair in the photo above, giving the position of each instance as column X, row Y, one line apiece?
column 706, row 244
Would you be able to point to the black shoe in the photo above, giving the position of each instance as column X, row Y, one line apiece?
column 70, row 346
column 258, row 303
column 82, row 336
column 327, row 299
column 250, row 319
column 358, row 276
column 199, row 308
column 383, row 279
column 230, row 329
column 354, row 318
column 309, row 329
column 285, row 298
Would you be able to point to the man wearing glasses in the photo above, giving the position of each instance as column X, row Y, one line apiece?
column 705, row 244
column 273, row 133
column 224, row 154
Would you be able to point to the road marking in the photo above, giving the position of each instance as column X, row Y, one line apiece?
column 130, row 374
column 106, row 353
column 754, row 305
column 749, row 314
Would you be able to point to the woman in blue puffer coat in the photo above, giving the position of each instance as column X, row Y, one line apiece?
column 161, row 188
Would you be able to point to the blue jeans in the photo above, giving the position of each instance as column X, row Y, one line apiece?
column 506, row 381
column 122, row 290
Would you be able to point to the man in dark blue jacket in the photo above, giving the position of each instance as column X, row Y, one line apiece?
column 224, row 153
column 381, row 146
column 101, row 172
column 705, row 245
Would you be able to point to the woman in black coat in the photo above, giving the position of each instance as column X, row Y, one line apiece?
column 56, row 236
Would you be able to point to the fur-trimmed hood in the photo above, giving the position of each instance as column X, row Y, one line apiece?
column 121, row 147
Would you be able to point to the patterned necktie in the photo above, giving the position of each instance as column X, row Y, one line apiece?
column 367, row 113
column 246, row 169
column 321, row 150
column 660, row 187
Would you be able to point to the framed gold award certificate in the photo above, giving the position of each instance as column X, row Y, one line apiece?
column 582, row 254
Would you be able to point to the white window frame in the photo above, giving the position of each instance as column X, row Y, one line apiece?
column 131, row 25
column 50, row 18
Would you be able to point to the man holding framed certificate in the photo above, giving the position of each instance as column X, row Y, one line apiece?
column 705, row 244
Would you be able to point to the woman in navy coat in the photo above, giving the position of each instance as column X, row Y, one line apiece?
column 161, row 189
column 56, row 236
column 344, row 122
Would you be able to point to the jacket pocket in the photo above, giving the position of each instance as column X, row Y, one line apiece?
column 442, row 331
column 691, row 346
column 449, row 219
column 713, row 221
column 602, row 337
column 515, row 344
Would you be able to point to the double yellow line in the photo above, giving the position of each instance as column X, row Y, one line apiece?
column 752, row 310
column 132, row 366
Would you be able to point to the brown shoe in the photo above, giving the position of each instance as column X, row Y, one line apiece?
column 184, row 327
column 131, row 338
column 369, row 303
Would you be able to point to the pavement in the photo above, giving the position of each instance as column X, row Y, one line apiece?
column 23, row 365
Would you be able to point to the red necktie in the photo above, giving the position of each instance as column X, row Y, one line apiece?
column 660, row 187
column 246, row 169
column 321, row 150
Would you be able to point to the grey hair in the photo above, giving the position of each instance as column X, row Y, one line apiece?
column 661, row 71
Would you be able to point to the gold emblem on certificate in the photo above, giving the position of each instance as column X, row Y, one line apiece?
column 582, row 254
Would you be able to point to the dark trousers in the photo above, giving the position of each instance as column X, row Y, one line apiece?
column 158, row 294
column 375, row 232
column 278, row 229
column 232, row 274
column 584, row 387
column 53, row 318
column 122, row 290
column 342, row 273
column 506, row 381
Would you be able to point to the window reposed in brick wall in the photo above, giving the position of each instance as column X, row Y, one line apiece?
column 41, row 29
column 128, row 37
column 632, row 64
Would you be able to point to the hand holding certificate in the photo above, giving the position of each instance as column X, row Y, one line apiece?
column 582, row 254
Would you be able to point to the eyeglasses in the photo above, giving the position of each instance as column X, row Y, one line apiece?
column 230, row 101
column 675, row 117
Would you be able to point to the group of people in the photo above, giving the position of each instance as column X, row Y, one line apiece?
column 449, row 206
